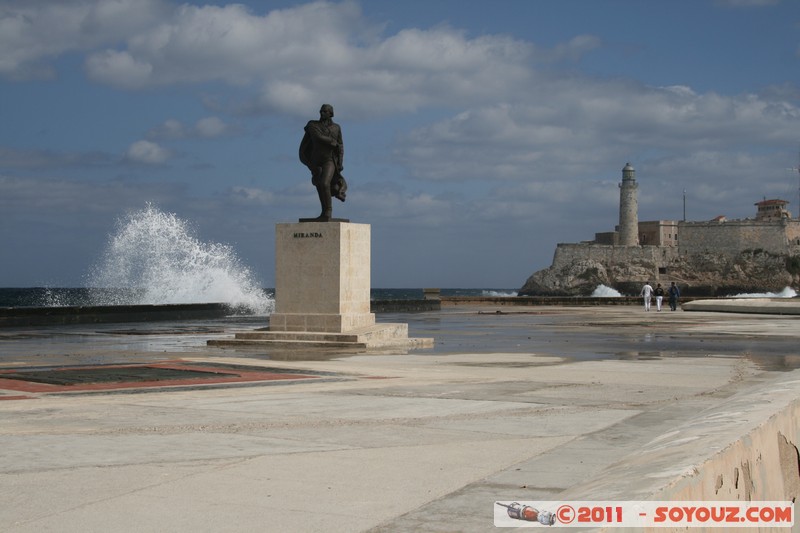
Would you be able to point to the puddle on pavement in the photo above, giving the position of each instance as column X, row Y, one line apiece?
column 534, row 334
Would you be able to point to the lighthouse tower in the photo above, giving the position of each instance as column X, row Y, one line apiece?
column 628, row 208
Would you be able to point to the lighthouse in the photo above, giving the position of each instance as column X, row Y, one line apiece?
column 628, row 208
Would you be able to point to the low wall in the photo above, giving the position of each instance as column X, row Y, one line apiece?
column 405, row 306
column 768, row 306
column 566, row 301
column 744, row 449
column 762, row 464
column 54, row 316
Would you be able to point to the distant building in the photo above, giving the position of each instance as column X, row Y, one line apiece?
column 661, row 242
column 658, row 233
column 772, row 209
column 714, row 255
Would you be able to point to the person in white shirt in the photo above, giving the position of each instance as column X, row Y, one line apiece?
column 647, row 292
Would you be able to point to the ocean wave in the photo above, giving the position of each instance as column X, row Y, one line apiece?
column 499, row 294
column 605, row 292
column 154, row 258
column 787, row 292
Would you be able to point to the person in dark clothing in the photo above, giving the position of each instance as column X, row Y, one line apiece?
column 674, row 294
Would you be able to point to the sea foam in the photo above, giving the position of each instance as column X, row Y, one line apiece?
column 602, row 291
column 154, row 258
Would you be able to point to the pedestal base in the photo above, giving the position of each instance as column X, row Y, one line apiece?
column 377, row 336
column 324, row 219
column 322, row 292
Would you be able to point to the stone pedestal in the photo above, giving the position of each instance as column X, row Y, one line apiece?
column 322, row 292
column 322, row 277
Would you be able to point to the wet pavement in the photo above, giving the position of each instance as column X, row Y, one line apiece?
column 573, row 333
column 509, row 404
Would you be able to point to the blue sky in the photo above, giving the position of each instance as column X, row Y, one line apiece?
column 478, row 135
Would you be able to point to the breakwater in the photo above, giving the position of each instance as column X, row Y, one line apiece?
column 101, row 314
column 417, row 306
column 566, row 301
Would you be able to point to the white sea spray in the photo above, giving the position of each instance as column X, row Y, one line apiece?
column 602, row 291
column 154, row 258
column 787, row 292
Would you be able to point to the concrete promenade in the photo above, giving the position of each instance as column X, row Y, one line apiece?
column 525, row 404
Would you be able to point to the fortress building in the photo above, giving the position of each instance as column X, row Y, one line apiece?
column 706, row 257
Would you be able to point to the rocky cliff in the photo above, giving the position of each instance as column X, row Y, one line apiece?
column 706, row 274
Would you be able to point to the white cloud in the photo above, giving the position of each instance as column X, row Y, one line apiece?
column 251, row 195
column 147, row 152
column 576, row 48
column 417, row 209
column 205, row 128
column 211, row 127
column 557, row 130
column 119, row 69
column 170, row 129
column 301, row 55
column 229, row 43
column 32, row 33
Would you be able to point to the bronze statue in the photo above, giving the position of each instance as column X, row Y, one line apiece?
column 322, row 151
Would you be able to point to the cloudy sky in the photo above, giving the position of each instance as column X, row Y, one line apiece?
column 478, row 135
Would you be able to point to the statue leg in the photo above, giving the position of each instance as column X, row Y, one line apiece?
column 325, row 201
column 324, row 191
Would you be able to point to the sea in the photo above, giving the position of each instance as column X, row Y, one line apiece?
column 256, row 300
column 252, row 301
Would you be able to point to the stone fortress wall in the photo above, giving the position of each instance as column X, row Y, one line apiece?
column 569, row 253
column 735, row 236
column 727, row 238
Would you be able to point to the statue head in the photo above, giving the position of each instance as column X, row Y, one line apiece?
column 326, row 111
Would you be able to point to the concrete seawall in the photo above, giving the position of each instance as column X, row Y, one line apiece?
column 404, row 306
column 65, row 315
column 767, row 306
column 70, row 315
column 53, row 316
column 565, row 301
column 741, row 450
column 762, row 464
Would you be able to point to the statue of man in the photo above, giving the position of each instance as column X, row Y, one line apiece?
column 322, row 151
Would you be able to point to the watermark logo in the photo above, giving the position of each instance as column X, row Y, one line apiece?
column 641, row 514
column 517, row 511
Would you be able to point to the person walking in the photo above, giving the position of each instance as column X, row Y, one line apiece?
column 647, row 292
column 659, row 292
column 674, row 293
